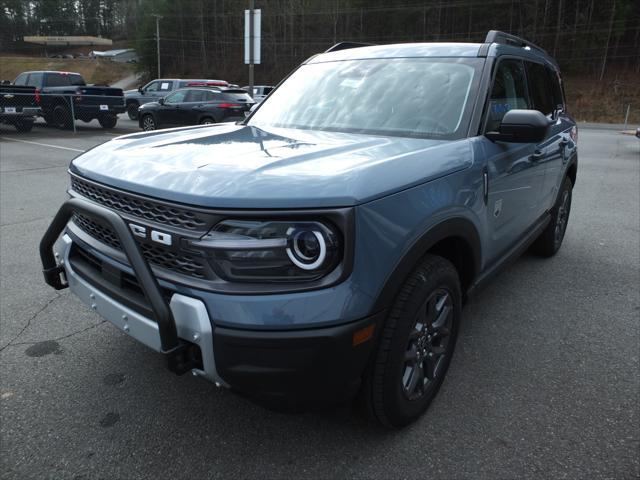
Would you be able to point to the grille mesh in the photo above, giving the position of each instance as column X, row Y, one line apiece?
column 180, row 262
column 148, row 209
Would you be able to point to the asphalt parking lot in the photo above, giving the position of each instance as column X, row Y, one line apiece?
column 544, row 382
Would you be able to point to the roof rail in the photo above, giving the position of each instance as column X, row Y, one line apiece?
column 496, row 36
column 347, row 45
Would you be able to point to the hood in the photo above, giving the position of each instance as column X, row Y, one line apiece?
column 239, row 166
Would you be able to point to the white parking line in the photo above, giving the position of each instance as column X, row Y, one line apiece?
column 42, row 144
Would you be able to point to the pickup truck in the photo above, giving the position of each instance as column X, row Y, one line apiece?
column 19, row 106
column 160, row 88
column 65, row 96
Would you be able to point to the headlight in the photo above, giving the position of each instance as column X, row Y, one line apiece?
column 272, row 250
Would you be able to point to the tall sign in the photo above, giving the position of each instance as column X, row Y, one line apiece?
column 251, row 40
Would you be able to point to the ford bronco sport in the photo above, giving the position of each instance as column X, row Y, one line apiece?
column 324, row 246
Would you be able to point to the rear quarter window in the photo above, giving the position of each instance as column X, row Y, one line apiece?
column 540, row 87
column 236, row 96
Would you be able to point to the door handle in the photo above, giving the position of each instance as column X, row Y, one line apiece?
column 537, row 155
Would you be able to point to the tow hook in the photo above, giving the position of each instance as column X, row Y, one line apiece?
column 185, row 358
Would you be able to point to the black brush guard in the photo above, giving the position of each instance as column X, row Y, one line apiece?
column 180, row 361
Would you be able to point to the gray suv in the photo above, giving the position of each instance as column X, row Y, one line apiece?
column 160, row 88
column 324, row 247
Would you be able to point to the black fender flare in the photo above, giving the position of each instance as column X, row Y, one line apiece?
column 459, row 227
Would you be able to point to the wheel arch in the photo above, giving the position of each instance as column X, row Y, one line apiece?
column 455, row 239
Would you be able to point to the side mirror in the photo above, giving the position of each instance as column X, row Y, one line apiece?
column 161, row 101
column 141, row 90
column 521, row 126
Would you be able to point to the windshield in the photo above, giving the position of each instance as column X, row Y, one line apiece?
column 415, row 97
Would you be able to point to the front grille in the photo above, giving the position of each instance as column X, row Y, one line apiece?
column 179, row 262
column 142, row 208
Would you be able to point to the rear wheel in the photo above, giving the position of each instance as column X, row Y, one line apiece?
column 24, row 125
column 550, row 240
column 132, row 110
column 108, row 121
column 148, row 122
column 416, row 344
column 61, row 117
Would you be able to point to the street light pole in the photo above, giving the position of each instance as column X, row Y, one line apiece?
column 158, row 17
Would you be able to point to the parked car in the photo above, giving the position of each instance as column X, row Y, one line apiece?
column 159, row 88
column 65, row 96
column 325, row 246
column 259, row 92
column 193, row 106
column 19, row 106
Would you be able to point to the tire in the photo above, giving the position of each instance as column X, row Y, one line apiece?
column 411, row 345
column 207, row 121
column 108, row 121
column 61, row 117
column 550, row 240
column 132, row 110
column 24, row 125
column 148, row 123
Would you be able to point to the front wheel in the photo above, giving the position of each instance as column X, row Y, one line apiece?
column 550, row 240
column 416, row 344
column 207, row 121
column 148, row 123
column 108, row 121
column 132, row 110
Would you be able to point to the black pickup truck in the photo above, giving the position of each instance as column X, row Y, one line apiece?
column 18, row 106
column 65, row 96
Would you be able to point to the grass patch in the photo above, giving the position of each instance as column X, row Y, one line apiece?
column 590, row 100
column 94, row 71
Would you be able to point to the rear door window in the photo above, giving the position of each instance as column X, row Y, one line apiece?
column 195, row 96
column 509, row 92
column 541, row 88
column 35, row 79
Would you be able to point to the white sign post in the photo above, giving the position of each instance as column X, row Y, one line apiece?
column 251, row 41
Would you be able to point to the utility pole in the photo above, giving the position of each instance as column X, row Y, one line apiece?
column 158, row 17
column 251, row 41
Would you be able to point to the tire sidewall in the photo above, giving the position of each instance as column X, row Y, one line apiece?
column 60, row 116
column 155, row 124
column 132, row 107
column 398, row 410
column 566, row 187
column 108, row 121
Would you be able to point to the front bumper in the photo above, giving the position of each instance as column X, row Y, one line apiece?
column 282, row 368
column 299, row 368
